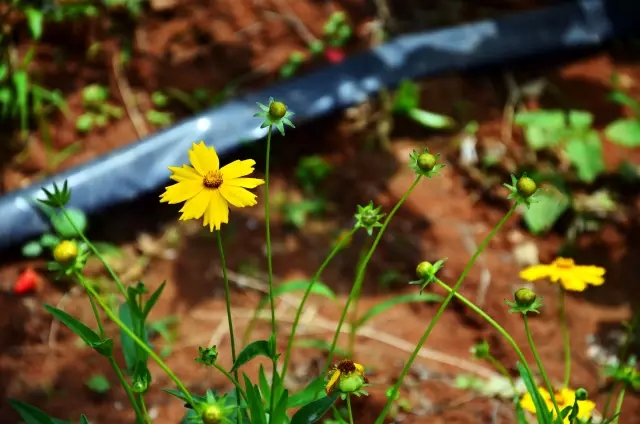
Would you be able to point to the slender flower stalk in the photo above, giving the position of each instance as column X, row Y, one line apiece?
column 618, row 410
column 565, row 336
column 444, row 305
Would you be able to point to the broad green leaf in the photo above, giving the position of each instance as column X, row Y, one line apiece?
column 548, row 207
column 64, row 228
column 253, row 349
column 32, row 249
column 390, row 303
column 308, row 394
column 314, row 411
column 320, row 345
column 585, row 154
column 625, row 132
column 153, row 299
column 431, row 120
column 132, row 353
column 30, row 414
column 90, row 337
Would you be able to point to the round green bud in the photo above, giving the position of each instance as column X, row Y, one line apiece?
column 139, row 386
column 581, row 394
column 316, row 47
column 212, row 415
column 481, row 350
column 369, row 217
column 525, row 297
column 277, row 110
column 426, row 161
column 526, row 186
column 422, row 270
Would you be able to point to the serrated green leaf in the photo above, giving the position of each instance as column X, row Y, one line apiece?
column 585, row 154
column 548, row 207
column 394, row 301
column 32, row 249
column 314, row 411
column 625, row 132
column 252, row 350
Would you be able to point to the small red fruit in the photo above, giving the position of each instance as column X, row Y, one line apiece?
column 334, row 54
column 26, row 281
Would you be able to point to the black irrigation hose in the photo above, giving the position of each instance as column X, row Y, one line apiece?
column 141, row 168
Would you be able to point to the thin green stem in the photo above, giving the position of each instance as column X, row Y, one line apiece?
column 140, row 415
column 227, row 301
column 444, row 305
column 272, row 302
column 113, row 317
column 565, row 336
column 618, row 410
column 96, row 252
column 233, row 380
column 502, row 370
column 349, row 410
column 306, row 294
column 361, row 271
column 353, row 330
column 143, row 406
column 631, row 330
column 543, row 373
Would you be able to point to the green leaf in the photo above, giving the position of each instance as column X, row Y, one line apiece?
column 314, row 411
column 98, row 384
column 132, row 353
column 407, row 97
column 253, row 349
column 178, row 393
column 390, row 303
column 83, row 419
column 625, row 132
column 90, row 337
column 431, row 120
column 546, row 210
column 308, row 394
column 254, row 401
column 32, row 249
column 153, row 299
column 280, row 410
column 85, row 122
column 49, row 240
column 30, row 414
column 546, row 128
column 542, row 413
column 585, row 154
column 34, row 20
column 64, row 228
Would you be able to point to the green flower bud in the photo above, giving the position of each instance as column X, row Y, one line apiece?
column 212, row 415
column 525, row 297
column 426, row 162
column 481, row 350
column 350, row 383
column 422, row 270
column 277, row 110
column 581, row 394
column 526, row 187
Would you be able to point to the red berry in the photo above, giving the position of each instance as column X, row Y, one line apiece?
column 334, row 54
column 26, row 281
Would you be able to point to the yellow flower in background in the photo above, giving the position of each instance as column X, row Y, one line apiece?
column 564, row 398
column 572, row 277
column 207, row 189
column 346, row 376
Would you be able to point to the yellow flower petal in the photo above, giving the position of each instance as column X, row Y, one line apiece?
column 237, row 169
column 182, row 191
column 237, row 196
column 217, row 212
column 536, row 272
column 526, row 402
column 591, row 274
column 203, row 158
column 332, row 382
column 195, row 207
column 184, row 173
column 572, row 283
column 359, row 367
column 244, row 182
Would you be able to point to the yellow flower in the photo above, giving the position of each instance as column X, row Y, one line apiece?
column 564, row 398
column 208, row 189
column 572, row 277
column 347, row 376
column 65, row 251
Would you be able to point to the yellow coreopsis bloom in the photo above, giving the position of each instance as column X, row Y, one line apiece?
column 572, row 277
column 564, row 398
column 207, row 189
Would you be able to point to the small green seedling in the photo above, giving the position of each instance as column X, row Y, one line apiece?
column 98, row 111
column 624, row 131
column 98, row 384
column 157, row 116
column 337, row 31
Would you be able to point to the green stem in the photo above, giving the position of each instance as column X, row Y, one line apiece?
column 543, row 373
column 113, row 317
column 272, row 302
column 502, row 370
column 306, row 294
column 349, row 409
column 565, row 336
column 619, row 403
column 631, row 330
column 361, row 270
column 143, row 405
column 353, row 330
column 227, row 301
column 140, row 415
column 444, row 305
column 233, row 380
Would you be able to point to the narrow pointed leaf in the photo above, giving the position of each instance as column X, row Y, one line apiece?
column 315, row 410
column 89, row 336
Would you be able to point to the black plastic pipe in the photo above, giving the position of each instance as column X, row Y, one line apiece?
column 140, row 168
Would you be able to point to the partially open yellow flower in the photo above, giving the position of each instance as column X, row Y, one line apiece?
column 346, row 376
column 572, row 277
column 208, row 189
column 564, row 398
